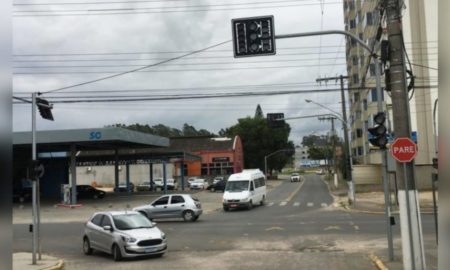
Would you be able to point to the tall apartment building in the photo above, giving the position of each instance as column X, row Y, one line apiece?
column 362, row 18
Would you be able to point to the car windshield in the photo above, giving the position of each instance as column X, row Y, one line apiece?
column 295, row 174
column 131, row 221
column 237, row 186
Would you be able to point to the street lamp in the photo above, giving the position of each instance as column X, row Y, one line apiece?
column 348, row 147
column 271, row 154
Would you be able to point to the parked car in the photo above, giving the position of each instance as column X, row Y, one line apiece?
column 89, row 192
column 295, row 177
column 172, row 206
column 144, row 186
column 191, row 180
column 198, row 184
column 159, row 183
column 124, row 234
column 22, row 194
column 218, row 179
column 123, row 187
column 218, row 186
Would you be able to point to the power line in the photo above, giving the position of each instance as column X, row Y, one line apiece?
column 108, row 12
column 135, row 70
column 161, row 71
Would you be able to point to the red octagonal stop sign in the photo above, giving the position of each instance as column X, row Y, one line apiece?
column 403, row 149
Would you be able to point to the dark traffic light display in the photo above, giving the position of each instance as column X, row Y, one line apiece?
column 275, row 120
column 253, row 36
column 45, row 109
column 377, row 134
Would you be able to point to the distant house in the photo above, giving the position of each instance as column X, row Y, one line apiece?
column 219, row 156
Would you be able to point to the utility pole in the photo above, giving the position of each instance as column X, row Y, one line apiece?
column 347, row 153
column 333, row 136
column 410, row 220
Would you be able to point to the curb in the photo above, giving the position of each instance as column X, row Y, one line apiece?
column 348, row 208
column 378, row 263
column 58, row 266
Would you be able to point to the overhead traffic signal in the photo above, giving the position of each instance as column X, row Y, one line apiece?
column 275, row 120
column 253, row 36
column 45, row 108
column 377, row 134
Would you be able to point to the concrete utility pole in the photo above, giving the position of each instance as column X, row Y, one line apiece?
column 347, row 152
column 333, row 134
column 410, row 220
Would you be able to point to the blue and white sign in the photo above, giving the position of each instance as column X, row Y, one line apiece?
column 95, row 135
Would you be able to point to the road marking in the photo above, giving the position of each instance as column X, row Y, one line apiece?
column 283, row 203
column 332, row 228
column 310, row 204
column 274, row 229
column 356, row 227
column 296, row 204
column 292, row 194
column 324, row 205
column 270, row 204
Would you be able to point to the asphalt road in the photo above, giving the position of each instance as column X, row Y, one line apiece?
column 297, row 225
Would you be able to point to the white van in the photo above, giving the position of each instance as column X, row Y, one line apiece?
column 245, row 189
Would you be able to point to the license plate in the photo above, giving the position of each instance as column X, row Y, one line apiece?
column 233, row 205
column 147, row 250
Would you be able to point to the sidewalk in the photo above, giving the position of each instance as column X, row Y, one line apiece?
column 23, row 260
column 373, row 203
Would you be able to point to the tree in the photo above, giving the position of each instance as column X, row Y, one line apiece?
column 259, row 140
column 259, row 113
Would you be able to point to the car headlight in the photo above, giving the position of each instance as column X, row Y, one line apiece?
column 128, row 239
column 163, row 235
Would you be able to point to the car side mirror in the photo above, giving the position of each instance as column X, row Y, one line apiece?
column 154, row 223
column 107, row 228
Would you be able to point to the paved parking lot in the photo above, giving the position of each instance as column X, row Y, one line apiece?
column 50, row 213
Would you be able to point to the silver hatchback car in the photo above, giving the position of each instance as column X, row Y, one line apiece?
column 172, row 206
column 123, row 234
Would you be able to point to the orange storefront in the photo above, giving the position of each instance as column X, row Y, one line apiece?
column 219, row 156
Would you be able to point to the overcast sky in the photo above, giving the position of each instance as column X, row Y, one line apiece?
column 97, row 44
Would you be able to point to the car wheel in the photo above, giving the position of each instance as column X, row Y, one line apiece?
column 116, row 253
column 225, row 208
column 261, row 203
column 188, row 215
column 250, row 205
column 87, row 250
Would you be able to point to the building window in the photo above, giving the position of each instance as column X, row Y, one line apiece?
column 352, row 24
column 359, row 133
column 355, row 79
column 369, row 18
column 355, row 60
column 365, row 104
column 356, row 97
column 360, row 151
column 373, row 95
column 372, row 70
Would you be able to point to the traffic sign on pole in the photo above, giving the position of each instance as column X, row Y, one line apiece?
column 403, row 149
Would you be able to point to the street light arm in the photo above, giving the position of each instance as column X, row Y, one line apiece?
column 338, row 115
column 329, row 32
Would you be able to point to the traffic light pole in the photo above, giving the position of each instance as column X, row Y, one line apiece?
column 410, row 220
column 34, row 184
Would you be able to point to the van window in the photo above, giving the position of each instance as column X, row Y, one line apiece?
column 237, row 186
column 262, row 181
column 252, row 188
